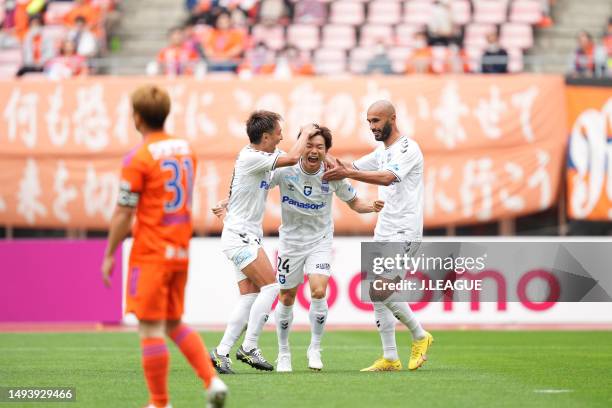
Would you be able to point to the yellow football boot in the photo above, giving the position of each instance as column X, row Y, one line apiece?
column 382, row 364
column 418, row 354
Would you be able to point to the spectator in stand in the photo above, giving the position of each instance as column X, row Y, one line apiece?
column 607, row 50
column 224, row 45
column 37, row 48
column 495, row 58
column 291, row 62
column 441, row 29
column 177, row 58
column 420, row 62
column 275, row 12
column 310, row 12
column 67, row 64
column 84, row 40
column 380, row 63
column 90, row 13
column 584, row 56
column 260, row 60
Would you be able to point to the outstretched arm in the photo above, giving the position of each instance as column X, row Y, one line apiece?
column 293, row 155
column 340, row 171
column 361, row 206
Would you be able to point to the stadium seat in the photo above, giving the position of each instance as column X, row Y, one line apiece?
column 338, row 36
column 473, row 56
column 490, row 11
column 272, row 36
column 303, row 36
column 525, row 11
column 399, row 56
column 56, row 10
column 516, row 35
column 373, row 34
column 417, row 12
column 404, row 34
column 515, row 63
column 358, row 59
column 385, row 12
column 476, row 35
column 347, row 12
column 439, row 59
column 461, row 12
column 330, row 61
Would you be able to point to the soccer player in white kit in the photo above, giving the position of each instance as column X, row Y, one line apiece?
column 305, row 244
column 242, row 234
column 396, row 167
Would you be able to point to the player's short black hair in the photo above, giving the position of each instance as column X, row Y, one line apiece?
column 260, row 122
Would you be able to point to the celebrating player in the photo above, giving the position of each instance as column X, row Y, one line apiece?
column 156, row 185
column 396, row 167
column 306, row 236
column 242, row 234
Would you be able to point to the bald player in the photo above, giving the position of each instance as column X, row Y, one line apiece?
column 396, row 166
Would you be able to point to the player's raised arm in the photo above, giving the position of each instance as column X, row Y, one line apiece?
column 293, row 155
column 362, row 206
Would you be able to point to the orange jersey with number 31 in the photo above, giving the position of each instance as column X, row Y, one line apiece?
column 157, row 179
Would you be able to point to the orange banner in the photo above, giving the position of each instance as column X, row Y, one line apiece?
column 589, row 164
column 493, row 145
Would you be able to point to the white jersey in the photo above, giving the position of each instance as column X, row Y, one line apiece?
column 306, row 201
column 249, row 190
column 403, row 211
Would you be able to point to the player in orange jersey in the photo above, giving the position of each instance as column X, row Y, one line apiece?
column 156, row 186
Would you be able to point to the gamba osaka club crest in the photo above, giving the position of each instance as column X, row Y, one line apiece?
column 307, row 190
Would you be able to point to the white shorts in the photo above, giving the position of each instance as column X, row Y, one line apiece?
column 293, row 263
column 241, row 249
column 408, row 247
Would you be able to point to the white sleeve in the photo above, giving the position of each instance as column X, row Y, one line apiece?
column 344, row 190
column 276, row 177
column 409, row 160
column 254, row 161
column 367, row 162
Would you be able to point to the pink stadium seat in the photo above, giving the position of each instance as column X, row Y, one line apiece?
column 417, row 12
column 473, row 55
column 303, row 36
column 56, row 11
column 460, row 11
column 347, row 12
column 373, row 34
column 490, row 11
column 476, row 35
column 439, row 59
column 384, row 12
column 525, row 11
column 516, row 35
column 329, row 61
column 399, row 56
column 272, row 36
column 338, row 36
column 515, row 63
column 404, row 34
column 358, row 59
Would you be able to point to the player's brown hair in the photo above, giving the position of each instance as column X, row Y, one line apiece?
column 260, row 122
column 152, row 104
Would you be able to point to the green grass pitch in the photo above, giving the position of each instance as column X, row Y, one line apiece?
column 465, row 369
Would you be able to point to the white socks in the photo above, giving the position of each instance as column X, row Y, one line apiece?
column 284, row 317
column 318, row 317
column 237, row 323
column 385, row 322
column 259, row 315
column 404, row 314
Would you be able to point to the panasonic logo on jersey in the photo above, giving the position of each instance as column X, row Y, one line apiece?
column 309, row 206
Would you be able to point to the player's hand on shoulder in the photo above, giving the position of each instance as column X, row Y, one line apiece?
column 329, row 162
column 338, row 172
column 378, row 205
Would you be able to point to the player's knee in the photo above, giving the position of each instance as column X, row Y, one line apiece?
column 286, row 298
column 317, row 293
